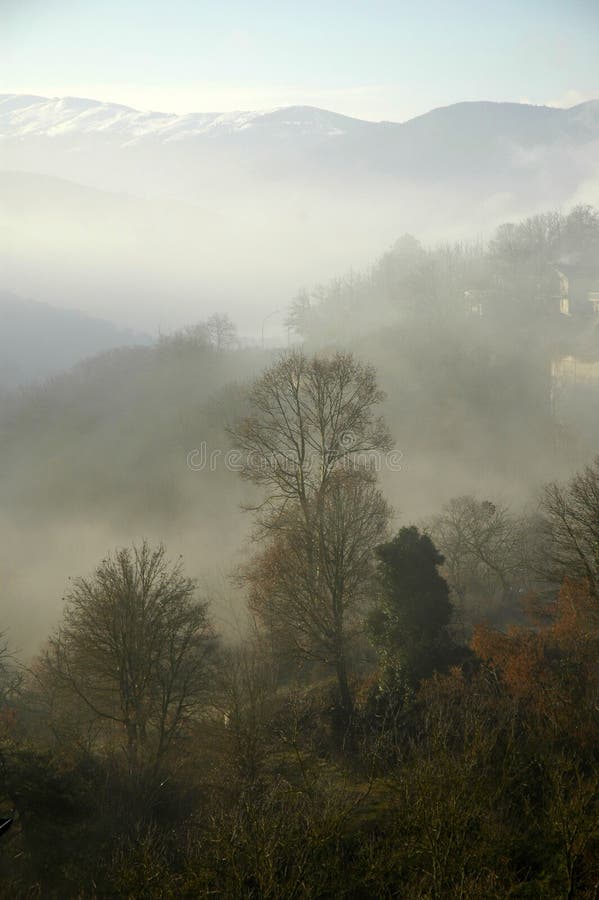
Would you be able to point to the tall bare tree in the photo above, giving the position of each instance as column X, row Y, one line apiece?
column 309, row 444
column 310, row 416
column 10, row 672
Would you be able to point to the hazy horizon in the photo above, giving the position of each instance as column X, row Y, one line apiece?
column 570, row 101
column 388, row 62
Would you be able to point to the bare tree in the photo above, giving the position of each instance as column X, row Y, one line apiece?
column 248, row 690
column 191, row 338
column 221, row 330
column 309, row 444
column 134, row 648
column 10, row 673
column 570, row 528
column 312, row 580
column 484, row 545
column 310, row 416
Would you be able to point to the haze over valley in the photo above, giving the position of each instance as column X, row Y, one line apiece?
column 299, row 450
column 152, row 220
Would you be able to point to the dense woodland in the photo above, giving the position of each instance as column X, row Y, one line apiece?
column 410, row 706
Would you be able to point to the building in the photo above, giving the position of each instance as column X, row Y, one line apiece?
column 579, row 289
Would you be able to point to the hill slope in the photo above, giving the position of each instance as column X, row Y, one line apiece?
column 37, row 340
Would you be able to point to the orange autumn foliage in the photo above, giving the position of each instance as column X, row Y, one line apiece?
column 551, row 666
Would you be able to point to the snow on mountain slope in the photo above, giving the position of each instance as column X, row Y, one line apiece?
column 463, row 141
column 22, row 116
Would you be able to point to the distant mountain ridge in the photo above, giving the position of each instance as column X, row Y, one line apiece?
column 95, row 142
column 37, row 340
column 22, row 115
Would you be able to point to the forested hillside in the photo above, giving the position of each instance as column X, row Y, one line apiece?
column 299, row 450
column 462, row 337
column 365, row 677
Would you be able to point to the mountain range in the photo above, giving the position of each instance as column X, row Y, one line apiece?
column 443, row 142
column 156, row 220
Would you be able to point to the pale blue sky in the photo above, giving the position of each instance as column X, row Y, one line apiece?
column 377, row 59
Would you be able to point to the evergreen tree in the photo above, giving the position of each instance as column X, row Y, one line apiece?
column 409, row 625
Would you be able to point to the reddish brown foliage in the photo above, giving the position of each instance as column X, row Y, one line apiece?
column 552, row 668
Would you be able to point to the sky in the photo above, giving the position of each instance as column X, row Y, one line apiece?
column 374, row 59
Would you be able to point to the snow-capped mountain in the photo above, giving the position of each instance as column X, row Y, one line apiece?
column 31, row 116
column 114, row 147
column 117, row 210
column 25, row 116
column 22, row 116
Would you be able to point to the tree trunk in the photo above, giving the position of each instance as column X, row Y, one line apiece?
column 347, row 703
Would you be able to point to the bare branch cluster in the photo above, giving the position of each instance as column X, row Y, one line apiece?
column 570, row 528
column 134, row 648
